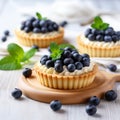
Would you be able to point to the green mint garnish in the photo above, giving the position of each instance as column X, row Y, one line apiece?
column 39, row 16
column 99, row 24
column 16, row 57
column 57, row 50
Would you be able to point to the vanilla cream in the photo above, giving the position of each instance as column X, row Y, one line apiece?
column 65, row 72
column 98, row 43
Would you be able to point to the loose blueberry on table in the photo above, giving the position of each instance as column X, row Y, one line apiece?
column 27, row 72
column 55, row 105
column 17, row 93
column 91, row 109
column 112, row 67
column 94, row 100
column 110, row 95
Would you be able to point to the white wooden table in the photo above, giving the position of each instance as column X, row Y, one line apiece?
column 27, row 109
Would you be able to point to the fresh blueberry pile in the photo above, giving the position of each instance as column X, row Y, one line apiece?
column 69, row 58
column 39, row 26
column 107, row 35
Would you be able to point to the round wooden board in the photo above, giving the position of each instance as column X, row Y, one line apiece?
column 33, row 89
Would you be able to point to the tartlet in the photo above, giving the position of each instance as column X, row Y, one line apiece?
column 66, row 73
column 100, row 43
column 40, row 32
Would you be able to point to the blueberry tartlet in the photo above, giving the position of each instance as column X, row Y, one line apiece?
column 70, row 70
column 39, row 31
column 100, row 40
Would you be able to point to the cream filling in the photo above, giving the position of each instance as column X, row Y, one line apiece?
column 65, row 72
column 99, row 44
column 41, row 35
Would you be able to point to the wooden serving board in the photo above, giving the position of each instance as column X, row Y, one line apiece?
column 103, row 82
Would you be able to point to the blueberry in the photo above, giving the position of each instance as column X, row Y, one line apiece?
column 68, row 48
column 95, row 32
column 58, row 61
column 23, row 23
column 44, row 59
column 71, row 67
column 35, row 47
column 27, row 29
column 55, row 27
column 91, row 37
column 55, row 105
column 85, row 61
column 6, row 33
column 78, row 65
column 17, row 93
column 101, row 32
column 27, row 72
column 42, row 23
column 36, row 23
column 112, row 67
column 49, row 63
column 115, row 38
column 110, row 95
column 63, row 24
column 77, row 57
column 22, row 27
column 91, row 109
column 58, row 67
column 43, row 29
column 111, row 28
column 28, row 23
column 68, row 61
column 109, row 31
column 107, row 38
column 66, row 54
column 99, row 37
column 50, row 28
column 4, row 38
column 94, row 100
column 118, row 33
column 31, row 19
column 74, row 51
column 87, row 32
column 85, row 55
column 36, row 30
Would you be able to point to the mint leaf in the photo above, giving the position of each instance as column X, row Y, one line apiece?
column 15, row 51
column 66, row 45
column 9, row 63
column 57, row 50
column 99, row 24
column 29, row 54
column 104, row 26
column 39, row 16
column 98, row 20
column 53, row 47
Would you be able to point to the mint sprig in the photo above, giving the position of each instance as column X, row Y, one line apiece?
column 57, row 50
column 99, row 24
column 39, row 16
column 16, row 58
